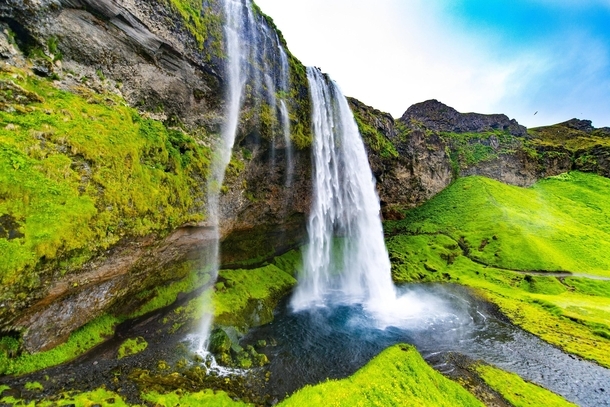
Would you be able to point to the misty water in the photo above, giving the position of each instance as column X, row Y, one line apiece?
column 307, row 347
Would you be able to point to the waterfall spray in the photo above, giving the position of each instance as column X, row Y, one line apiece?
column 346, row 259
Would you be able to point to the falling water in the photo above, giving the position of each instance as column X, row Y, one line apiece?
column 346, row 260
column 236, row 58
column 284, row 114
column 250, row 46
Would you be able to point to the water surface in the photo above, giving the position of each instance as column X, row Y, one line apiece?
column 335, row 341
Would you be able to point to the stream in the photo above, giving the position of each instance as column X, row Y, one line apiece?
column 333, row 342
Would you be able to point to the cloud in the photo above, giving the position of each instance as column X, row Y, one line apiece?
column 397, row 53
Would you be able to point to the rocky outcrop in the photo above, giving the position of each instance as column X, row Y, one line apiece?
column 438, row 117
column 171, row 68
column 434, row 144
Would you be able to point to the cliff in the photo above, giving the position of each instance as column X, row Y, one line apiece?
column 110, row 111
column 431, row 145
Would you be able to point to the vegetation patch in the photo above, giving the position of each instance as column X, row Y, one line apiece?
column 203, row 398
column 132, row 346
column 374, row 138
column 518, row 392
column 99, row 397
column 81, row 340
column 245, row 298
column 556, row 225
column 398, row 376
column 204, row 25
column 79, row 171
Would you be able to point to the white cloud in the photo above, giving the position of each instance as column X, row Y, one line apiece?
column 397, row 53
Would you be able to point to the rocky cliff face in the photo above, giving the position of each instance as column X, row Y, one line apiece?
column 168, row 62
column 433, row 144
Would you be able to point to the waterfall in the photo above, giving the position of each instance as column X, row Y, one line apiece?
column 237, row 55
column 346, row 260
column 253, row 51
column 284, row 114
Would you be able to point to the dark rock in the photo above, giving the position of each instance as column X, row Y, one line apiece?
column 436, row 116
column 576, row 124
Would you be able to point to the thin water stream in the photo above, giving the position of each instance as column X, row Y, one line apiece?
column 333, row 342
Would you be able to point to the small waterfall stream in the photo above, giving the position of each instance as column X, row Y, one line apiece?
column 253, row 51
column 346, row 260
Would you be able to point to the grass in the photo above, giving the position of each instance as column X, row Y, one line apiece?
column 562, row 135
column 481, row 233
column 518, row 392
column 79, row 171
column 559, row 224
column 396, row 377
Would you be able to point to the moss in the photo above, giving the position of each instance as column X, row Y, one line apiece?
column 202, row 398
column 203, row 23
column 518, row 392
column 132, row 346
column 300, row 112
column 468, row 149
column 564, row 136
column 79, row 171
column 33, row 386
column 99, row 397
column 250, row 295
column 556, row 225
column 374, row 139
column 163, row 295
column 80, row 341
column 396, row 377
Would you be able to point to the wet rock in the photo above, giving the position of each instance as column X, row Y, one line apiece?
column 219, row 342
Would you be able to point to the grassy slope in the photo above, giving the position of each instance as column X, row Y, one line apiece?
column 518, row 392
column 79, row 170
column 478, row 228
column 397, row 377
column 572, row 139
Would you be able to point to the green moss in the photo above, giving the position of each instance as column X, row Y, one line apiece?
column 373, row 138
column 468, row 149
column 397, row 377
column 33, row 386
column 290, row 262
column 300, row 111
column 250, row 295
column 203, row 398
column 132, row 346
column 79, row 342
column 518, row 392
column 203, row 24
column 562, row 135
column 99, row 397
column 556, row 225
column 79, row 171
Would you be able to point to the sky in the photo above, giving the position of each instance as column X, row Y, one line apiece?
column 538, row 61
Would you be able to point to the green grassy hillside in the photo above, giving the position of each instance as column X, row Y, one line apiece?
column 490, row 236
column 79, row 171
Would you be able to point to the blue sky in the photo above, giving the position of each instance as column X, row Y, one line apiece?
column 515, row 57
